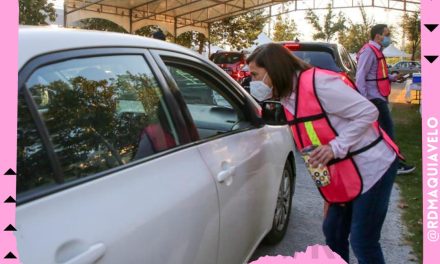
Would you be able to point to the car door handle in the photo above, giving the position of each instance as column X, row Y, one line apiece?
column 92, row 254
column 225, row 174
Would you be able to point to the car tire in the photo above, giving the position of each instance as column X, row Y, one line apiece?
column 283, row 207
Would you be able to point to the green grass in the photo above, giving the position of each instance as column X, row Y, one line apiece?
column 408, row 129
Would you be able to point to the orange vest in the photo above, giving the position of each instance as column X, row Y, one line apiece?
column 382, row 80
column 310, row 126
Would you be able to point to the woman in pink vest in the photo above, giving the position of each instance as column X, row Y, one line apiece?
column 324, row 109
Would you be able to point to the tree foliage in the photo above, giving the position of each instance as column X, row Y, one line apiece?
column 89, row 131
column 356, row 34
column 36, row 12
column 331, row 25
column 192, row 39
column 148, row 31
column 100, row 24
column 238, row 31
column 285, row 29
column 411, row 27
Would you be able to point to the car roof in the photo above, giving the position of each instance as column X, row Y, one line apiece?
column 232, row 52
column 35, row 41
column 311, row 43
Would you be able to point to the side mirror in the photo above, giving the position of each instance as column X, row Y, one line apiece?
column 273, row 113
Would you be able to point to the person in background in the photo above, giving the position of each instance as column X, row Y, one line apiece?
column 159, row 35
column 374, row 82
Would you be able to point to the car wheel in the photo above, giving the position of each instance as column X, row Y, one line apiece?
column 283, row 208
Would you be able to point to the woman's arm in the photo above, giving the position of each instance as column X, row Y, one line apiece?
column 339, row 99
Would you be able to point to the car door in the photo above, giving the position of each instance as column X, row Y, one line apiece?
column 239, row 154
column 105, row 172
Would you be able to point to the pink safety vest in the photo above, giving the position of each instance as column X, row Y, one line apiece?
column 310, row 126
column 382, row 80
column 160, row 139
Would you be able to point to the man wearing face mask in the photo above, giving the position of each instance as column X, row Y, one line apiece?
column 374, row 82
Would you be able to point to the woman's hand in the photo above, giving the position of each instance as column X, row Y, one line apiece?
column 321, row 156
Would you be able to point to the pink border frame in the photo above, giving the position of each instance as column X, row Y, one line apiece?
column 431, row 96
column 430, row 113
column 8, row 106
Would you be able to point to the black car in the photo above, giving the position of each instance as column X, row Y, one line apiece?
column 329, row 56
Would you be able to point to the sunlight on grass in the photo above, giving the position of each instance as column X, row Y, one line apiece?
column 407, row 122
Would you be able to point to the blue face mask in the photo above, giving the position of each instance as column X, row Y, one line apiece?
column 386, row 41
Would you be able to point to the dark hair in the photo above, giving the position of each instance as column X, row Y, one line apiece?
column 281, row 66
column 159, row 35
column 377, row 29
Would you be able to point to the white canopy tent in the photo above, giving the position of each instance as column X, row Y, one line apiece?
column 179, row 16
column 173, row 16
column 261, row 39
column 392, row 51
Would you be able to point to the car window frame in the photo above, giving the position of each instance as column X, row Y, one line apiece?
column 237, row 94
column 59, row 56
column 343, row 53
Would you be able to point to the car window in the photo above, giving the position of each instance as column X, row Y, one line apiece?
column 226, row 58
column 321, row 59
column 101, row 112
column 212, row 111
column 413, row 64
column 33, row 165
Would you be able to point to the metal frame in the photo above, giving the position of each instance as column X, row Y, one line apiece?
column 185, row 13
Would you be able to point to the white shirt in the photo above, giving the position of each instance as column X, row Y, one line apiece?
column 351, row 115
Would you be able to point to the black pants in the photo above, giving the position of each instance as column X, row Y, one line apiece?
column 385, row 120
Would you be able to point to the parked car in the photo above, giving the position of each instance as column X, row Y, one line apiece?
column 233, row 63
column 134, row 150
column 327, row 56
column 405, row 67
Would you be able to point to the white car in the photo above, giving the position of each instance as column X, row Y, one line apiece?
column 134, row 150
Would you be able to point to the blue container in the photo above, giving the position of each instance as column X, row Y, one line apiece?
column 417, row 78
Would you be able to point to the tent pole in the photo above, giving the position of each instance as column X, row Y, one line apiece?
column 209, row 40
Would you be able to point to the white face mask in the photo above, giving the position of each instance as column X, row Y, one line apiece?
column 260, row 90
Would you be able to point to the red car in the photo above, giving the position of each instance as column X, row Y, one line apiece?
column 233, row 63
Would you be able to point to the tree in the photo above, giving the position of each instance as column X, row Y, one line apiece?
column 100, row 24
column 411, row 28
column 36, row 12
column 331, row 25
column 192, row 39
column 285, row 29
column 239, row 31
column 356, row 35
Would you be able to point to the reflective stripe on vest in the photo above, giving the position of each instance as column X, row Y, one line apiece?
column 312, row 133
column 382, row 81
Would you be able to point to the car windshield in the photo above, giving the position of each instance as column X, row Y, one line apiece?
column 321, row 59
column 226, row 58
